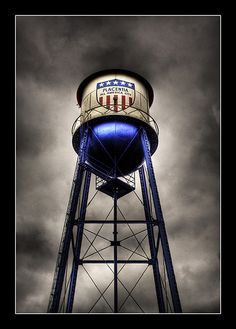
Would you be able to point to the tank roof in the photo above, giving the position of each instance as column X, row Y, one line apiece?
column 113, row 71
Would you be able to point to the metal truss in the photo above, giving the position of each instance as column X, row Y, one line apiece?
column 76, row 221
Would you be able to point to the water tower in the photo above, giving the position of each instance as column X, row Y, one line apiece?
column 114, row 137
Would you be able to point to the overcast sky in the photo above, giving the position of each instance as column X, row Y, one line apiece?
column 179, row 56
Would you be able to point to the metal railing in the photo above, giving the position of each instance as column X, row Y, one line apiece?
column 128, row 179
column 146, row 117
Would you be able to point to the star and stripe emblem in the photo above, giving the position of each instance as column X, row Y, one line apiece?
column 115, row 94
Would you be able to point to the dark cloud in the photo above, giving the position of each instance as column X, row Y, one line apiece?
column 34, row 244
column 180, row 58
column 34, row 258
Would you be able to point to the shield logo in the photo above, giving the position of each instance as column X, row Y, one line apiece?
column 115, row 94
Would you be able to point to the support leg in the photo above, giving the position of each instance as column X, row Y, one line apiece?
column 59, row 274
column 78, row 243
column 115, row 256
column 65, row 241
column 161, row 224
column 156, row 272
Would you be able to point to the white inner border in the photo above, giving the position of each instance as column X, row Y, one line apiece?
column 220, row 156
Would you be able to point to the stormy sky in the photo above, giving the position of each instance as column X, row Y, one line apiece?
column 179, row 56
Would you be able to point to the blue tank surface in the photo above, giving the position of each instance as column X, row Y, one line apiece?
column 114, row 144
column 115, row 147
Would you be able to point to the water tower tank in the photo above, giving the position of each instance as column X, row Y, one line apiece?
column 115, row 107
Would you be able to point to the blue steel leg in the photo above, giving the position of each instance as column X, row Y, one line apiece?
column 78, row 243
column 59, row 274
column 156, row 272
column 115, row 256
column 65, row 242
column 161, row 225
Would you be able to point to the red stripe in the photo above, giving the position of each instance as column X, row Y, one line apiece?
column 123, row 102
column 130, row 101
column 101, row 100
column 115, row 103
column 108, row 102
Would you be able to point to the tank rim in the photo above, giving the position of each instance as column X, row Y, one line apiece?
column 131, row 73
